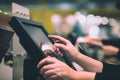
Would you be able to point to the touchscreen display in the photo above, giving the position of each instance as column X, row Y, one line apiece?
column 39, row 37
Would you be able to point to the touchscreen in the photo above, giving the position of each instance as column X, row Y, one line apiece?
column 39, row 37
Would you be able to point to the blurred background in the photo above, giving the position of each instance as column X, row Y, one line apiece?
column 44, row 10
column 68, row 18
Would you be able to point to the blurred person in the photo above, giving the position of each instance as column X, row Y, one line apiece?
column 53, row 69
column 111, row 47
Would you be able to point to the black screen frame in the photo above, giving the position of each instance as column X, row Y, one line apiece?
column 28, row 44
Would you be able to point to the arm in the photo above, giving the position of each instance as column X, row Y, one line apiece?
column 53, row 69
column 110, row 50
column 98, row 41
column 91, row 41
column 86, row 62
column 109, row 46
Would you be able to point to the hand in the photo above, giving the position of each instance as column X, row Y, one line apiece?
column 64, row 44
column 110, row 50
column 93, row 41
column 53, row 69
column 86, row 62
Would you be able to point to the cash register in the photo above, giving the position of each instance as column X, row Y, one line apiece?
column 34, row 39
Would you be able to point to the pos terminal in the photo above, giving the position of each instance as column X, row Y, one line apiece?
column 34, row 39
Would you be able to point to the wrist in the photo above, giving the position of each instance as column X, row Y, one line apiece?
column 83, row 75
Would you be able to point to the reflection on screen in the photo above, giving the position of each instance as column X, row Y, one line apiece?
column 39, row 37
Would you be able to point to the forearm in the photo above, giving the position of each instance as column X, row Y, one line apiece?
column 84, row 76
column 89, row 64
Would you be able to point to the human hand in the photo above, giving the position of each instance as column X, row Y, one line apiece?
column 65, row 45
column 92, row 41
column 110, row 50
column 53, row 69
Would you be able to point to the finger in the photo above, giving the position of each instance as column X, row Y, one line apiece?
column 58, row 41
column 50, row 75
column 47, row 60
column 60, row 46
column 46, row 68
column 58, row 38
column 55, row 48
column 60, row 53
